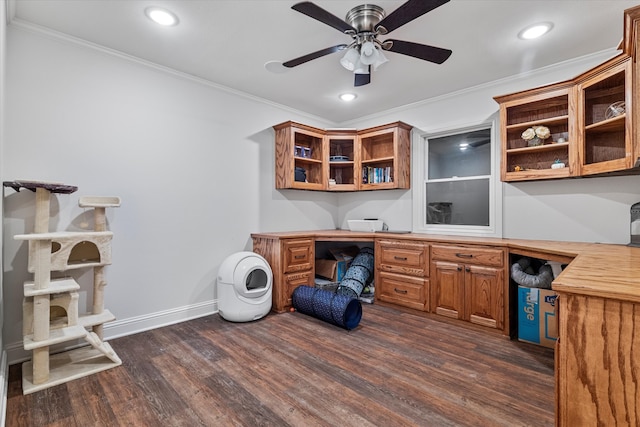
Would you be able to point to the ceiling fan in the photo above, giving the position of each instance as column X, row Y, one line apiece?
column 364, row 24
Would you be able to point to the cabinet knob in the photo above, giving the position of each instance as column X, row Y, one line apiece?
column 467, row 269
column 459, row 268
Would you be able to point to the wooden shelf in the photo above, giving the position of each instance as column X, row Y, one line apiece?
column 545, row 122
column 614, row 124
column 537, row 174
column 378, row 160
column 539, row 148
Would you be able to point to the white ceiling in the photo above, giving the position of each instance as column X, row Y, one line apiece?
column 229, row 41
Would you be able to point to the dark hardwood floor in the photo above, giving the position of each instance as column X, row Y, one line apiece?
column 395, row 369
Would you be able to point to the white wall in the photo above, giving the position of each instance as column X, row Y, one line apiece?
column 589, row 210
column 193, row 165
column 3, row 354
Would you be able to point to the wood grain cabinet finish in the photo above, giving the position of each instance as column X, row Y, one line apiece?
column 401, row 273
column 468, row 283
column 597, row 362
column 597, row 141
column 292, row 262
column 377, row 158
column 606, row 140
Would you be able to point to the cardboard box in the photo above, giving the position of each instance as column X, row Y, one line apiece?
column 537, row 316
column 330, row 269
column 335, row 269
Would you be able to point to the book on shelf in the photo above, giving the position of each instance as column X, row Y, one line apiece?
column 373, row 175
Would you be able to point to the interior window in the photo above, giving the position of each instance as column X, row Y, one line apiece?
column 457, row 182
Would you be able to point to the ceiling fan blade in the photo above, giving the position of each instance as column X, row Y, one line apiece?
column 408, row 12
column 314, row 55
column 417, row 50
column 362, row 79
column 319, row 14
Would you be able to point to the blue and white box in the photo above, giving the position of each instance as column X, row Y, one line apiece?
column 537, row 322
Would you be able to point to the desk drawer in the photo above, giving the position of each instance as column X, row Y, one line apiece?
column 468, row 255
column 412, row 292
column 403, row 257
column 298, row 255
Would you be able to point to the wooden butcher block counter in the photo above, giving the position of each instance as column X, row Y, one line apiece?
column 598, row 348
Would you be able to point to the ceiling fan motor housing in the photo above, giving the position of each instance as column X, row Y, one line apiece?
column 365, row 17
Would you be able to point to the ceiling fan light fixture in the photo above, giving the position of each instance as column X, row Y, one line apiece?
column 361, row 68
column 351, row 59
column 161, row 16
column 368, row 53
column 371, row 55
column 381, row 59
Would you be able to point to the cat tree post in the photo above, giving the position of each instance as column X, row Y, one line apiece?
column 99, row 204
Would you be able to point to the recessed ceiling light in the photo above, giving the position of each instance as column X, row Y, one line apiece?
column 276, row 67
column 535, row 31
column 347, row 97
column 161, row 16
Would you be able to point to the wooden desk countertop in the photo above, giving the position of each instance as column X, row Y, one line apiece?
column 597, row 269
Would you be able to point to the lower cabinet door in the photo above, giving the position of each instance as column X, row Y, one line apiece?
column 447, row 293
column 292, row 281
column 484, row 296
column 408, row 291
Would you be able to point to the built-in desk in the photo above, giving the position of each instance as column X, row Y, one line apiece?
column 598, row 349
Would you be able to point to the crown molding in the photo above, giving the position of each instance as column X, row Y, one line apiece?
column 48, row 33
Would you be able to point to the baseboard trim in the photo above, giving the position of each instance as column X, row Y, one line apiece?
column 15, row 352
column 134, row 325
column 4, row 384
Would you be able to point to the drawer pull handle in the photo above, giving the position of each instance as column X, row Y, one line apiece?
column 400, row 258
column 459, row 255
column 300, row 256
column 400, row 291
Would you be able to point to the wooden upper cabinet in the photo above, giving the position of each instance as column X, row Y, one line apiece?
column 343, row 160
column 385, row 156
column 594, row 114
column 300, row 147
column 552, row 106
column 604, row 117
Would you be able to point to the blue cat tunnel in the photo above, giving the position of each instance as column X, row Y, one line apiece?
column 340, row 310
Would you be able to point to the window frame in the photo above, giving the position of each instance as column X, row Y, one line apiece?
column 420, row 178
